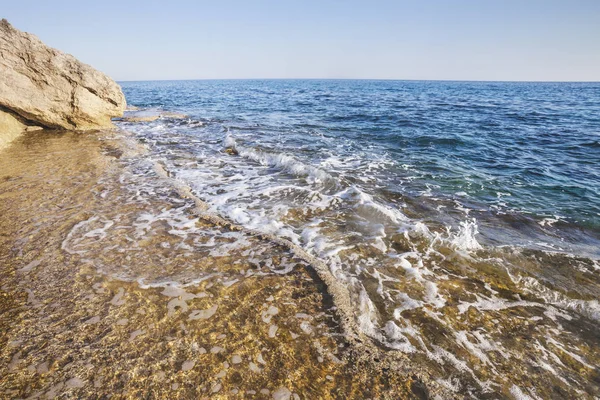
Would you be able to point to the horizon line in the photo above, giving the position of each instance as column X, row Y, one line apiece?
column 354, row 79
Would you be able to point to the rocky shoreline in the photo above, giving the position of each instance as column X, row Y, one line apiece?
column 84, row 315
column 80, row 317
column 41, row 87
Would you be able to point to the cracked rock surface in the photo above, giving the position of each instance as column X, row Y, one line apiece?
column 44, row 87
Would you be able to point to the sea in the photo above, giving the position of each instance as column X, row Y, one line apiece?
column 462, row 219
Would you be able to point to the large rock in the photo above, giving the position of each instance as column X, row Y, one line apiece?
column 42, row 86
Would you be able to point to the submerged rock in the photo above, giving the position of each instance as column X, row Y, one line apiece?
column 44, row 87
column 134, row 114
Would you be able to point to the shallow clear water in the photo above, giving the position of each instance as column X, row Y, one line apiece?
column 450, row 211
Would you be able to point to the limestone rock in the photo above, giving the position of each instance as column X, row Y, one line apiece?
column 12, row 126
column 145, row 118
column 46, row 87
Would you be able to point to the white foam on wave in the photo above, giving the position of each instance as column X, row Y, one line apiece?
column 463, row 338
column 229, row 142
column 432, row 295
column 363, row 199
column 73, row 243
column 390, row 335
column 465, row 238
column 406, row 303
column 519, row 394
column 287, row 163
column 588, row 308
column 545, row 360
column 174, row 285
column 549, row 221
column 396, row 339
column 413, row 270
column 494, row 303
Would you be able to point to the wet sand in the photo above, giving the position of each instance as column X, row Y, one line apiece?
column 86, row 315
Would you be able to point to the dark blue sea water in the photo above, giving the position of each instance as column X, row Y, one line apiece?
column 463, row 218
column 521, row 158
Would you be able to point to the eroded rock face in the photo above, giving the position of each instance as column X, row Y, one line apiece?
column 42, row 86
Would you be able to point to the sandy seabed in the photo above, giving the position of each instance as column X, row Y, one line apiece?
column 117, row 282
column 166, row 305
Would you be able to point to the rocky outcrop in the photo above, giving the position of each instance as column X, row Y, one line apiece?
column 41, row 86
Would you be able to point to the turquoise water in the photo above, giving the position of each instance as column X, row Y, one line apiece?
column 462, row 218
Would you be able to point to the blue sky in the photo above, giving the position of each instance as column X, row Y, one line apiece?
column 435, row 39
